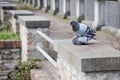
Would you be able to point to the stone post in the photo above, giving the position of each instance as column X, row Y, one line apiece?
column 62, row 8
column 52, row 6
column 81, row 10
column 74, row 8
column 29, row 37
column 28, row 2
column 39, row 5
column 44, row 4
column 33, row 3
column 5, row 9
column 14, row 19
column 99, row 14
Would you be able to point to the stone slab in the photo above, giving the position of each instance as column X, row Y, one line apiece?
column 4, row 2
column 74, row 54
column 8, row 6
column 101, row 64
column 34, row 21
column 17, row 13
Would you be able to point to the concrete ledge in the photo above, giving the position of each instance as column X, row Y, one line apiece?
column 111, row 30
column 17, row 13
column 8, row 6
column 74, row 54
column 34, row 21
column 101, row 64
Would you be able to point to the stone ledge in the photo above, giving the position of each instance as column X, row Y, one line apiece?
column 100, row 64
column 74, row 54
column 17, row 13
column 34, row 21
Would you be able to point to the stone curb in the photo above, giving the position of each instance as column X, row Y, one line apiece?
column 111, row 30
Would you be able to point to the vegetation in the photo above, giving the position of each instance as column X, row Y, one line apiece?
column 26, row 7
column 22, row 70
column 6, row 34
column 5, row 27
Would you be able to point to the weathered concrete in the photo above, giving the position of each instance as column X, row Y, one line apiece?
column 112, row 12
column 99, row 14
column 35, row 22
column 89, row 10
column 4, row 8
column 14, row 19
column 16, row 13
column 74, row 8
column 29, row 37
column 70, row 57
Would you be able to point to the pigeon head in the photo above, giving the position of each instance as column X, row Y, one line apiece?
column 75, row 25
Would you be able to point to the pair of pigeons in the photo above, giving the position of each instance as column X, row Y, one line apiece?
column 83, row 33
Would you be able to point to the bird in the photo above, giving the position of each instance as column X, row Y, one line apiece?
column 81, row 29
column 83, row 33
column 80, row 40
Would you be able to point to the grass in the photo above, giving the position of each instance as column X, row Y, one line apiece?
column 6, row 35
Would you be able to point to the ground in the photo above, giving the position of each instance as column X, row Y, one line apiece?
column 60, row 29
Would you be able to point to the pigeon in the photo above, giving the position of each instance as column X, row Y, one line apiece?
column 81, row 29
column 83, row 33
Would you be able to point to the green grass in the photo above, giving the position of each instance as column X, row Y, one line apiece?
column 6, row 35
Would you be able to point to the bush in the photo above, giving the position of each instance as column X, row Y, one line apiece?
column 22, row 71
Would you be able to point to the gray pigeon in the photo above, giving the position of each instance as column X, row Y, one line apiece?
column 83, row 33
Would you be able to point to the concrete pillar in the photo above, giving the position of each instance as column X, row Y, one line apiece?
column 74, row 8
column 62, row 7
column 29, row 37
column 14, row 19
column 4, row 12
column 99, row 14
column 81, row 9
column 44, row 4
column 52, row 5
column 33, row 3
column 28, row 2
column 38, row 4
column 89, row 10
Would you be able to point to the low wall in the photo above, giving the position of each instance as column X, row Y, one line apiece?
column 9, row 56
column 87, row 62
